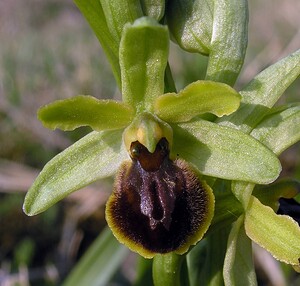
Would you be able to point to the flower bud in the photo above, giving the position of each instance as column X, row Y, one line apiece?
column 154, row 8
column 191, row 24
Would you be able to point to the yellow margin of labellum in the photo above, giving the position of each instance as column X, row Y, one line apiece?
column 115, row 222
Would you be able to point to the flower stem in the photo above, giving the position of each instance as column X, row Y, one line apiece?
column 166, row 269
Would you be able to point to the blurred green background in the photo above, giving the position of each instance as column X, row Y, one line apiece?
column 48, row 52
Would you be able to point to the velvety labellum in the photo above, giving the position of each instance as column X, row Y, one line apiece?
column 158, row 205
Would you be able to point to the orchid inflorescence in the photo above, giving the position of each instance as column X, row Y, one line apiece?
column 187, row 164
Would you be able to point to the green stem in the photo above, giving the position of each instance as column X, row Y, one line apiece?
column 166, row 269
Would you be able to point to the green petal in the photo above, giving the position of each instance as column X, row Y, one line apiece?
column 279, row 234
column 77, row 111
column 191, row 23
column 238, row 265
column 144, row 51
column 95, row 156
column 93, row 13
column 279, row 130
column 263, row 92
column 197, row 98
column 223, row 152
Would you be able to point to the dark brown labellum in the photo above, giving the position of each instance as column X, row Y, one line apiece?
column 158, row 205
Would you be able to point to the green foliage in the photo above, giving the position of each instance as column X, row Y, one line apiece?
column 87, row 271
column 217, row 29
column 232, row 153
column 238, row 264
column 261, row 221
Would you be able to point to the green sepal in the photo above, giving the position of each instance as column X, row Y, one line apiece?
column 278, row 234
column 280, row 129
column 191, row 24
column 153, row 8
column 229, row 40
column 270, row 194
column 82, row 110
column 223, row 152
column 262, row 92
column 120, row 12
column 77, row 166
column 94, row 15
column 238, row 264
column 197, row 98
column 144, row 52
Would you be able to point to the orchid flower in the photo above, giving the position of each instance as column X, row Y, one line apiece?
column 188, row 164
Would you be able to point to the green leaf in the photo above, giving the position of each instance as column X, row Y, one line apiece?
column 191, row 24
column 227, row 209
column 223, row 152
column 118, row 13
column 270, row 194
column 238, row 264
column 195, row 261
column 229, row 40
column 206, row 263
column 143, row 58
column 77, row 111
column 95, row 156
column 153, row 8
column 263, row 92
column 143, row 272
column 279, row 130
column 93, row 13
column 197, row 98
column 99, row 263
column 278, row 234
